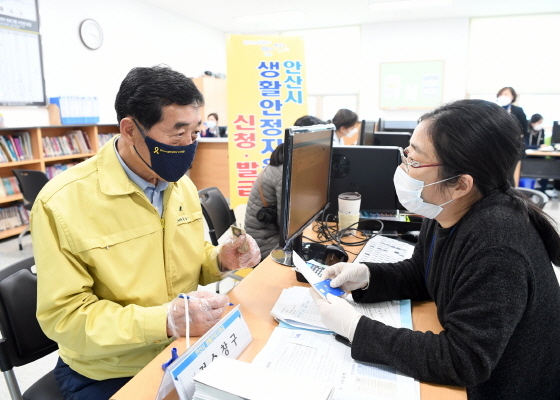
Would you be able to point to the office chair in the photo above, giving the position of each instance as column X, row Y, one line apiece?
column 23, row 341
column 218, row 217
column 536, row 196
column 30, row 183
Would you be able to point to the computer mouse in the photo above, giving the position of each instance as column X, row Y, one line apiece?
column 334, row 254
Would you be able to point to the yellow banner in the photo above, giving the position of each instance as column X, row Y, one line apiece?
column 266, row 94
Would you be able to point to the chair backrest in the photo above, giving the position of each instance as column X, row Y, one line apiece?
column 216, row 211
column 536, row 196
column 24, row 341
column 30, row 183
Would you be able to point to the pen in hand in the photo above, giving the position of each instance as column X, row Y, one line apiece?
column 190, row 297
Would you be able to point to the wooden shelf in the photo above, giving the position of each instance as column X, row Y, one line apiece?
column 12, row 232
column 18, row 163
column 68, row 157
column 40, row 162
column 10, row 198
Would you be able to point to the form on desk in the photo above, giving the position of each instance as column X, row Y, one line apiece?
column 321, row 357
column 381, row 249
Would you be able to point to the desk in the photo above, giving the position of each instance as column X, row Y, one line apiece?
column 537, row 166
column 257, row 294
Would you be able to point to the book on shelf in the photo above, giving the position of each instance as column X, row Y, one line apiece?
column 105, row 137
column 72, row 142
column 53, row 170
column 9, row 186
column 15, row 147
column 13, row 216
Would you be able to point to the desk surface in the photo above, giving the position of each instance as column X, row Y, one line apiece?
column 542, row 153
column 257, row 294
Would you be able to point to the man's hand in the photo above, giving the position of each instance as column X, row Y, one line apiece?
column 203, row 310
column 231, row 256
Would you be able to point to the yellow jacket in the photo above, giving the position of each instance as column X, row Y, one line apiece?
column 106, row 265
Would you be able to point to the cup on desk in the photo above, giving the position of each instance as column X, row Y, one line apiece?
column 349, row 211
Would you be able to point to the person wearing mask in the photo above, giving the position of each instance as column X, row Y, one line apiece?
column 505, row 98
column 119, row 237
column 345, row 122
column 264, row 206
column 484, row 256
column 534, row 137
column 211, row 128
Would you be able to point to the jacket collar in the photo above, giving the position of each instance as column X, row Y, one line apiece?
column 113, row 180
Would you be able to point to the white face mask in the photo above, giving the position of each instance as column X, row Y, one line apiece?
column 504, row 100
column 211, row 124
column 537, row 127
column 409, row 191
column 350, row 133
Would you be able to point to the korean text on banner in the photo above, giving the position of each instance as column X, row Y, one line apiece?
column 266, row 94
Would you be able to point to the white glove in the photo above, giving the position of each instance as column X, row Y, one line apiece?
column 348, row 276
column 337, row 314
column 239, row 252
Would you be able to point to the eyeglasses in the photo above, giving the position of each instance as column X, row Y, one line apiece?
column 413, row 164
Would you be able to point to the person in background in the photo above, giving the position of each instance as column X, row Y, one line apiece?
column 263, row 206
column 118, row 238
column 345, row 122
column 505, row 98
column 534, row 137
column 210, row 127
column 484, row 256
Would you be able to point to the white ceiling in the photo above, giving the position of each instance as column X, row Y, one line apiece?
column 220, row 14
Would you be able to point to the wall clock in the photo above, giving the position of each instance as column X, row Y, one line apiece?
column 91, row 34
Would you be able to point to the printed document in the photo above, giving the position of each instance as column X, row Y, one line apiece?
column 318, row 356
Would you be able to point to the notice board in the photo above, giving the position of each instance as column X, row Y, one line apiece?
column 410, row 85
column 21, row 66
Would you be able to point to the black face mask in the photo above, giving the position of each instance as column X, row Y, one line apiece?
column 169, row 162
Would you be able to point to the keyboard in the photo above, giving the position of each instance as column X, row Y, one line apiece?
column 381, row 249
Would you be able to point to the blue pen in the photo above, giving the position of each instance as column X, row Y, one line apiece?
column 174, row 356
column 189, row 297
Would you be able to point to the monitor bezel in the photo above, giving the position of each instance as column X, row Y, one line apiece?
column 286, row 177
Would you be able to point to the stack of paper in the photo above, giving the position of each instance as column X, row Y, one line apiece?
column 228, row 379
column 315, row 356
column 296, row 309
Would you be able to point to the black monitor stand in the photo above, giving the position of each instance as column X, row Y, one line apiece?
column 324, row 254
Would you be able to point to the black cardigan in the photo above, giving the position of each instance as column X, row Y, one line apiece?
column 497, row 299
column 518, row 113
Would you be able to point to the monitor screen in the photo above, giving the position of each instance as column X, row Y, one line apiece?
column 305, row 183
column 367, row 133
column 400, row 139
column 397, row 126
column 368, row 170
column 555, row 133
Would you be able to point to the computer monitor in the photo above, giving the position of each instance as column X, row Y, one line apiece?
column 367, row 133
column 399, row 139
column 368, row 170
column 222, row 130
column 306, row 176
column 555, row 133
column 396, row 126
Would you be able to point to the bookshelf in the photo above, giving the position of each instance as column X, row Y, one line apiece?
column 40, row 162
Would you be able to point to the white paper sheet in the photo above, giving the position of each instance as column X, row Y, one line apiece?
column 296, row 307
column 330, row 361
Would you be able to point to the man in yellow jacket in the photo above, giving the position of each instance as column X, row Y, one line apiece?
column 118, row 237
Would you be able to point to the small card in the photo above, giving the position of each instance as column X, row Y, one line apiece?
column 236, row 231
column 324, row 288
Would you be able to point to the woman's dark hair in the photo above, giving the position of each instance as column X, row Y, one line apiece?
column 512, row 90
column 277, row 156
column 536, row 118
column 308, row 120
column 215, row 116
column 145, row 91
column 481, row 139
column 344, row 118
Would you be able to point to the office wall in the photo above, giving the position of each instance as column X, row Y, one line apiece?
column 135, row 34
column 444, row 39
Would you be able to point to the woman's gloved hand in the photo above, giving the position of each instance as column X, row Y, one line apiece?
column 347, row 276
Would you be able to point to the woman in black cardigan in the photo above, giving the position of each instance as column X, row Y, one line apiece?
column 506, row 96
column 484, row 257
